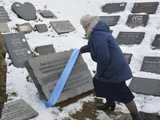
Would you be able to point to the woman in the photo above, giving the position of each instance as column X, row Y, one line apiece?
column 112, row 68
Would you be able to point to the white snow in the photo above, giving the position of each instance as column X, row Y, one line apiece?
column 72, row 10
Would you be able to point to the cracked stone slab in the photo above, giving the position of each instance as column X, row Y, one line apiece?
column 145, row 86
column 25, row 28
column 46, row 49
column 128, row 57
column 4, row 15
column 18, row 110
column 47, row 14
column 4, row 28
column 156, row 42
column 46, row 69
column 26, row 11
column 135, row 20
column 62, row 26
column 17, row 48
column 41, row 28
column 145, row 7
column 151, row 64
column 114, row 7
column 110, row 20
column 130, row 38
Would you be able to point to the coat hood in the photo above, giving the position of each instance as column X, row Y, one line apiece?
column 101, row 26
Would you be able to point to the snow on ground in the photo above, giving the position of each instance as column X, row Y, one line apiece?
column 72, row 10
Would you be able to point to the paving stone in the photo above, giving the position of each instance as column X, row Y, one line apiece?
column 26, row 11
column 128, row 57
column 17, row 48
column 25, row 28
column 130, row 38
column 41, row 28
column 18, row 110
column 47, row 14
column 46, row 69
column 4, row 15
column 145, row 86
column 156, row 42
column 135, row 20
column 110, row 20
column 46, row 49
column 145, row 7
column 151, row 64
column 114, row 7
column 4, row 28
column 62, row 26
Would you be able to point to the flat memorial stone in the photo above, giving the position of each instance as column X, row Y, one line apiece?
column 26, row 11
column 46, row 49
column 41, row 28
column 151, row 64
column 114, row 7
column 62, row 26
column 18, row 110
column 47, row 14
column 17, row 48
column 4, row 15
column 135, row 20
column 156, row 42
column 110, row 20
column 25, row 28
column 145, row 86
column 130, row 38
column 4, row 28
column 145, row 7
column 128, row 57
column 45, row 70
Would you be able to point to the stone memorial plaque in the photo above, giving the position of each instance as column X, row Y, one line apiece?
column 25, row 28
column 17, row 48
column 136, row 20
column 114, row 7
column 151, row 64
column 46, row 49
column 110, row 20
column 145, row 86
column 156, row 42
column 4, row 28
column 130, row 38
column 62, row 26
column 18, row 110
column 4, row 15
column 45, row 70
column 26, row 11
column 128, row 57
column 47, row 14
column 41, row 28
column 145, row 7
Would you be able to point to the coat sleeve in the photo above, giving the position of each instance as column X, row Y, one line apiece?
column 102, row 54
column 84, row 49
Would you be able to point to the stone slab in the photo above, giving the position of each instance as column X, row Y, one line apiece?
column 135, row 20
column 151, row 64
column 145, row 86
column 41, row 28
column 145, row 7
column 46, row 49
column 110, row 20
column 17, row 48
column 4, row 15
column 46, row 69
column 128, row 57
column 4, row 28
column 18, row 110
column 114, row 7
column 26, row 11
column 25, row 28
column 47, row 14
column 62, row 26
column 130, row 38
column 156, row 42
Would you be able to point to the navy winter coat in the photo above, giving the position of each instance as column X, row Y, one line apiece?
column 111, row 64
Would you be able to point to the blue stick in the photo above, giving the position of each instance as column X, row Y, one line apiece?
column 63, row 79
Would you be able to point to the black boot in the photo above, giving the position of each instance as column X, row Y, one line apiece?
column 110, row 105
column 136, row 116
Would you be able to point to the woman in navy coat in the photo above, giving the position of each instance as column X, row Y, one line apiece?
column 112, row 68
